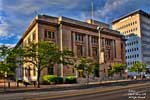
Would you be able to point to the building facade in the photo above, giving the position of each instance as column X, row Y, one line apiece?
column 80, row 37
column 136, row 27
column 133, row 51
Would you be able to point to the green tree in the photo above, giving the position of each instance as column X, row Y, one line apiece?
column 118, row 69
column 111, row 72
column 138, row 67
column 96, row 70
column 85, row 65
column 43, row 54
column 7, row 62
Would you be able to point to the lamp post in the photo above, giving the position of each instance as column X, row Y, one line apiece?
column 61, row 49
column 61, row 45
column 99, row 46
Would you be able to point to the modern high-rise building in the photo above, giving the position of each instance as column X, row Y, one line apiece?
column 136, row 27
column 80, row 37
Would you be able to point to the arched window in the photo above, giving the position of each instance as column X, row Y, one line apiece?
column 34, row 71
column 51, row 70
column 26, row 72
column 29, row 69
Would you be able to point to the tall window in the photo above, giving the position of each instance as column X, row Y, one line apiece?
column 79, row 37
column 49, row 34
column 45, row 33
column 33, row 36
column 108, row 54
column 29, row 69
column 34, row 71
column 79, row 50
column 108, row 42
column 114, row 48
column 102, row 42
column 26, row 71
column 50, row 70
column 29, row 40
column 94, row 39
column 95, row 52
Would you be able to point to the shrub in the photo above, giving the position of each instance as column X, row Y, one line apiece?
column 59, row 80
column 96, row 70
column 52, row 79
column 70, row 80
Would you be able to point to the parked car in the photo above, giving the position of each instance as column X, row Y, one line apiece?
column 147, row 76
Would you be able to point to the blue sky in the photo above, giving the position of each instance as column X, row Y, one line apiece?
column 16, row 15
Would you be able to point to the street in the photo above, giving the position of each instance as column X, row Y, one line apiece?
column 113, row 95
column 128, row 92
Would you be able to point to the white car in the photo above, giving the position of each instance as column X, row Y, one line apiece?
column 147, row 76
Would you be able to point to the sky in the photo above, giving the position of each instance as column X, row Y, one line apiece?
column 16, row 15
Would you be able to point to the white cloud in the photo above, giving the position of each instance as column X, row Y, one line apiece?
column 24, row 7
column 19, row 14
column 27, row 7
column 9, row 45
column 111, row 5
column 4, row 28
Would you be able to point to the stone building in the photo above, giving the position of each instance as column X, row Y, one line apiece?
column 80, row 37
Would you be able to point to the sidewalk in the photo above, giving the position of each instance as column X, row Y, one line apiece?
column 61, row 87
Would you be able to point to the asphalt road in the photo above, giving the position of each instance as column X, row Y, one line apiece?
column 141, row 94
column 129, row 92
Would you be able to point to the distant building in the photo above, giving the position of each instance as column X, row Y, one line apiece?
column 80, row 37
column 133, row 53
column 136, row 27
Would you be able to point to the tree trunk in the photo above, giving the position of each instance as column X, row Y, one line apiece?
column 141, row 76
column 87, row 78
column 38, row 78
column 4, row 84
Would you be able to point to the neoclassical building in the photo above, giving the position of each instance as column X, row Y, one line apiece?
column 80, row 37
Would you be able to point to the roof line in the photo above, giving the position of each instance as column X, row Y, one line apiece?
column 139, row 11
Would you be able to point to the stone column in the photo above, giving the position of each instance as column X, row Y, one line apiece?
column 73, row 42
column 73, row 34
column 90, row 46
column 86, row 45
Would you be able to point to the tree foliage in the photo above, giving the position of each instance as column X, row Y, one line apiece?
column 96, row 69
column 138, row 67
column 117, row 68
column 43, row 54
column 86, row 65
column 7, row 62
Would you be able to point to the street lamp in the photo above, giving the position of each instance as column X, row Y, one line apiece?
column 99, row 46
column 61, row 46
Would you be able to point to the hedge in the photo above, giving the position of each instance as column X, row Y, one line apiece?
column 52, row 79
column 71, row 80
